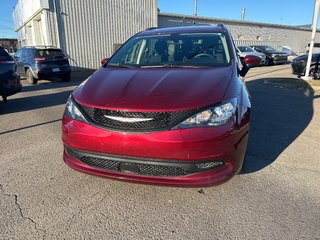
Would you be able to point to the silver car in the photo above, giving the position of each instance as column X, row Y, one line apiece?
column 246, row 50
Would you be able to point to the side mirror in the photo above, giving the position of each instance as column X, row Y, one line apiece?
column 104, row 61
column 249, row 61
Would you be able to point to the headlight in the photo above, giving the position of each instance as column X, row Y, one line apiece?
column 72, row 111
column 273, row 55
column 215, row 116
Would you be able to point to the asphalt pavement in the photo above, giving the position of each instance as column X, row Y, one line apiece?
column 278, row 196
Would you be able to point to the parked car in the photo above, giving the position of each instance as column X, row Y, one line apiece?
column 9, row 80
column 36, row 63
column 273, row 56
column 288, row 50
column 246, row 50
column 169, row 107
column 299, row 66
column 316, row 47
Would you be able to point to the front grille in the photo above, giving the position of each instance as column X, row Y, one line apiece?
column 143, row 166
column 159, row 120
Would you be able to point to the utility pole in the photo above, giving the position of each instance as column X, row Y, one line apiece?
column 243, row 14
column 195, row 8
column 313, row 36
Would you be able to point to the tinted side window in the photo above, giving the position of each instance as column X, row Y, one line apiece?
column 4, row 55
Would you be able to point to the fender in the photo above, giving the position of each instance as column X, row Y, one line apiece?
column 29, row 67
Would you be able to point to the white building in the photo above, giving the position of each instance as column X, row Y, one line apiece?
column 86, row 30
column 249, row 33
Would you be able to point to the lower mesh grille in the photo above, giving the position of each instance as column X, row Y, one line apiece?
column 154, row 170
column 141, row 169
column 101, row 163
column 128, row 166
column 145, row 167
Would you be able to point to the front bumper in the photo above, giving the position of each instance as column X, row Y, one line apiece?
column 298, row 68
column 48, row 73
column 183, row 147
column 279, row 59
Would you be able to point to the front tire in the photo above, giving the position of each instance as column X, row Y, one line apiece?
column 315, row 72
column 30, row 78
column 4, row 97
column 268, row 61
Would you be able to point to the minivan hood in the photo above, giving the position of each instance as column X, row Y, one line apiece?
column 305, row 56
column 154, row 89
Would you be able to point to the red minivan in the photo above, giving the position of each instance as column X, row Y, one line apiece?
column 169, row 107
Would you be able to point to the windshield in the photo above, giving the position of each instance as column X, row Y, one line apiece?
column 245, row 49
column 270, row 49
column 189, row 49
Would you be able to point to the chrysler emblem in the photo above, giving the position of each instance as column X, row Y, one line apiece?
column 129, row 120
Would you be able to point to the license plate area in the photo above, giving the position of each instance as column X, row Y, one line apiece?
column 55, row 69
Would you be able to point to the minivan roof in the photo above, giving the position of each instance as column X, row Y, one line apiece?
column 186, row 29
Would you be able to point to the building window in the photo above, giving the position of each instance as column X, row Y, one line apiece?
column 259, row 38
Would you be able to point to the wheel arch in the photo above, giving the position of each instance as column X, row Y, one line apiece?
column 26, row 67
column 312, row 65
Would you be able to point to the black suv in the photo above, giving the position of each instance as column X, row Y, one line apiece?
column 42, row 63
column 299, row 65
column 9, row 80
column 273, row 56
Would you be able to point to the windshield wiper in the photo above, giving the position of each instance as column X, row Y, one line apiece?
column 122, row 66
column 170, row 66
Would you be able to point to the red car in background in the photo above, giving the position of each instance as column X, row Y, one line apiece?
column 169, row 108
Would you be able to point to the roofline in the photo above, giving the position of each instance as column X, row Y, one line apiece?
column 8, row 39
column 217, row 28
column 231, row 21
column 41, row 47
